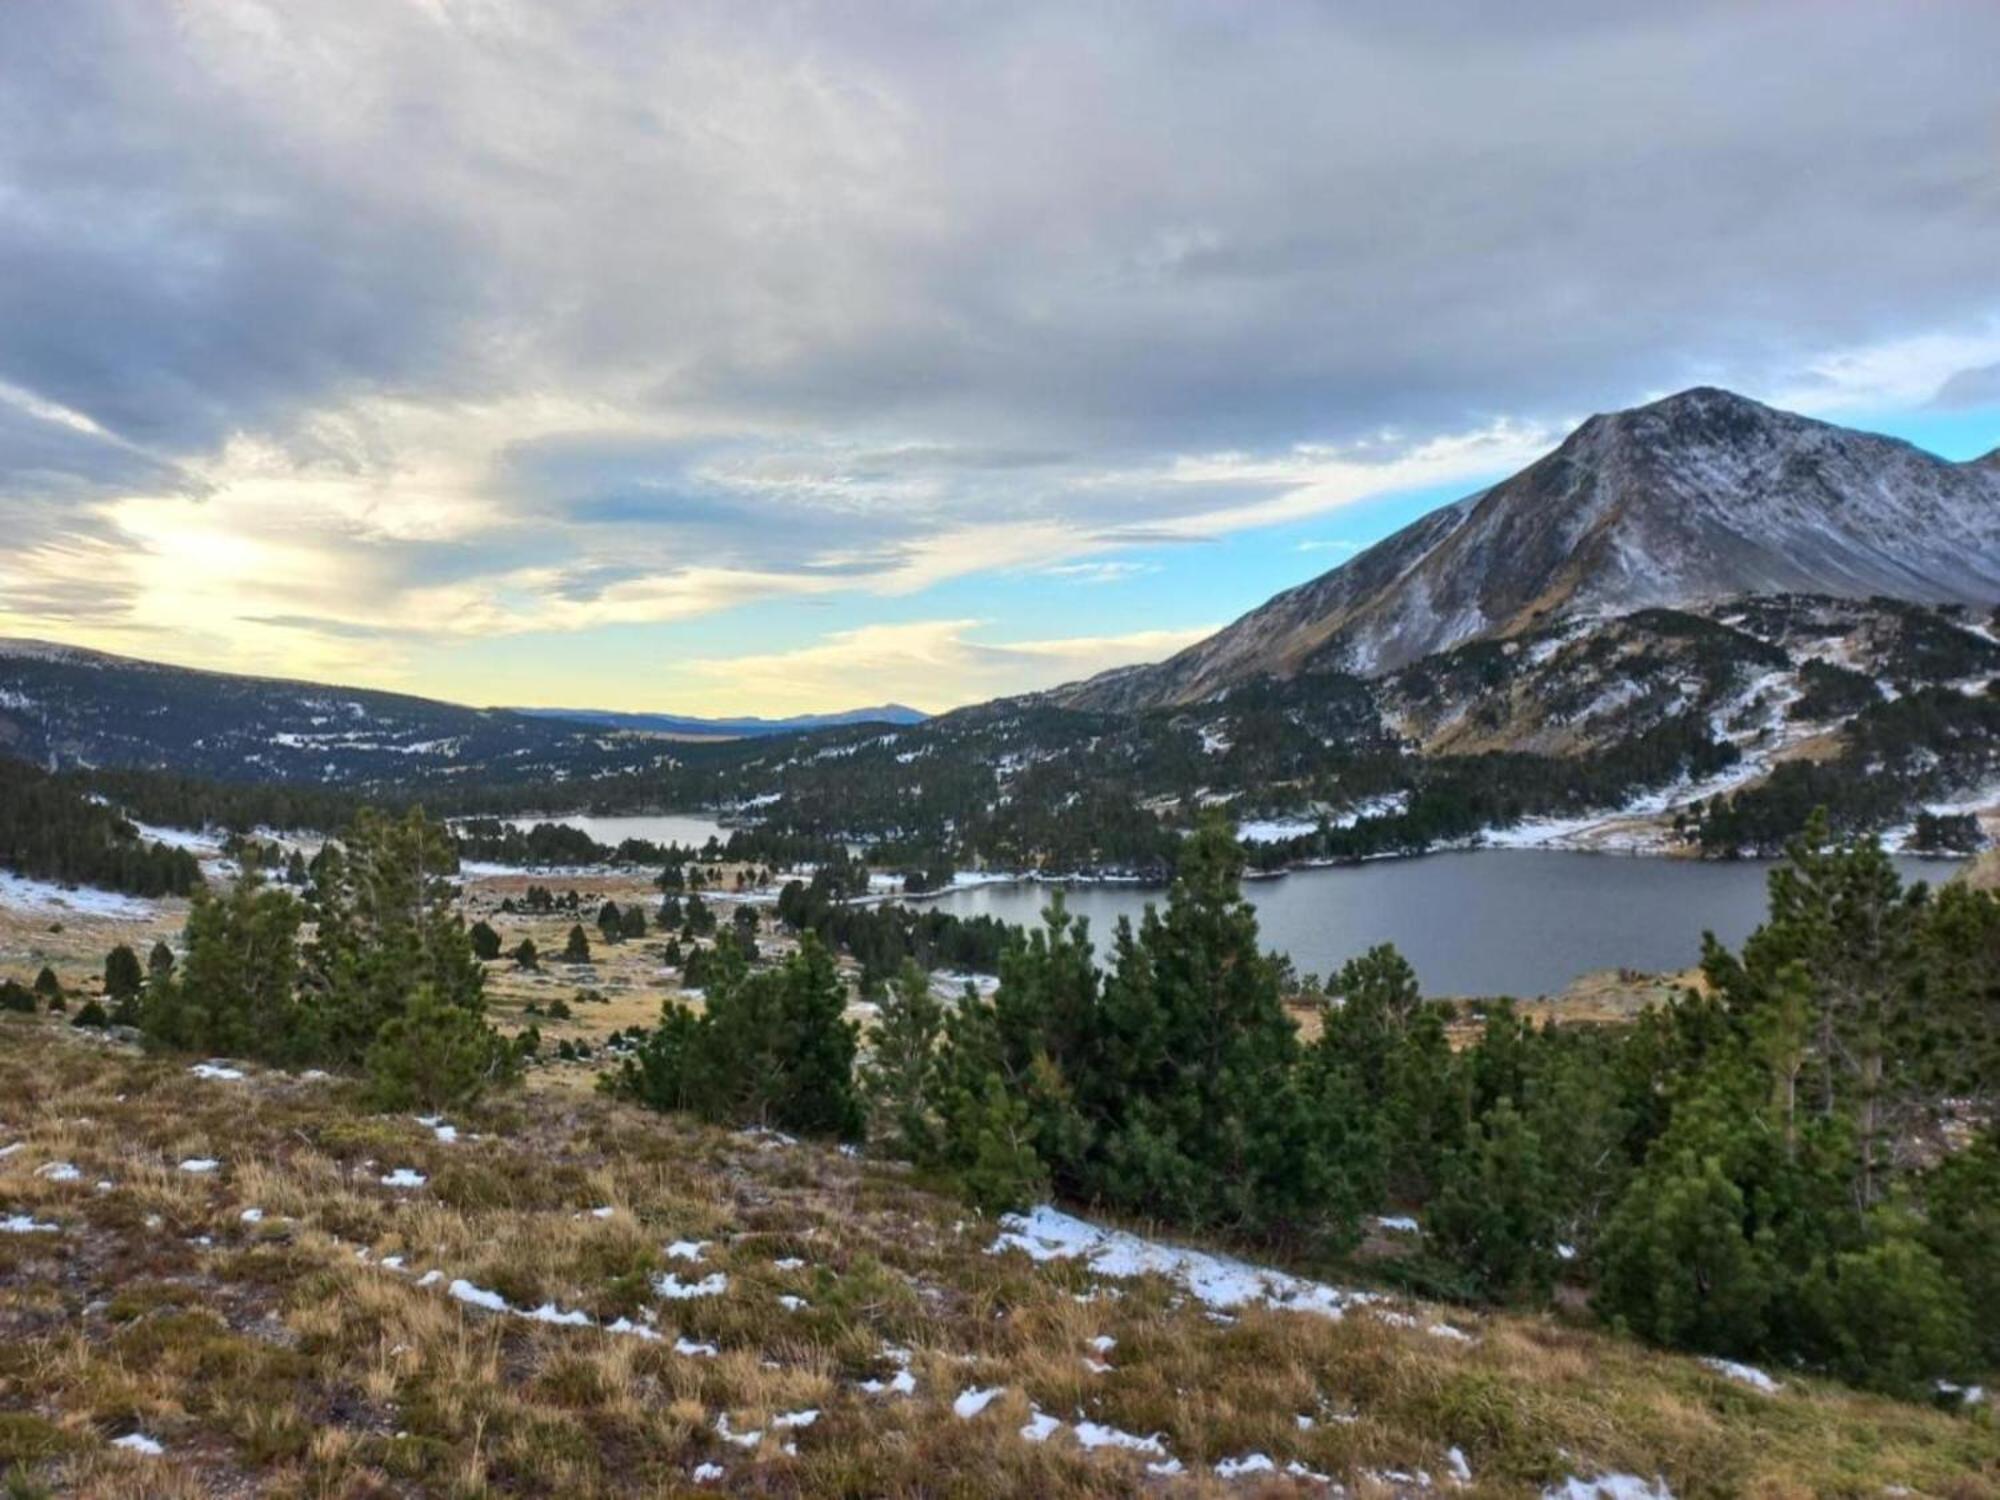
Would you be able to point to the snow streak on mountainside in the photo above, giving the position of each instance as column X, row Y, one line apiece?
column 1703, row 496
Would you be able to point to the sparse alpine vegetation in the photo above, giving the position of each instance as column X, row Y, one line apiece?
column 570, row 1296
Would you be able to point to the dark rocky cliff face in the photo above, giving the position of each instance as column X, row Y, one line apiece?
column 1702, row 496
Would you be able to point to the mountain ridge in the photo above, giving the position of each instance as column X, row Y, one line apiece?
column 743, row 727
column 1700, row 496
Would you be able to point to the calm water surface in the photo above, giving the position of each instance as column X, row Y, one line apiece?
column 1490, row 922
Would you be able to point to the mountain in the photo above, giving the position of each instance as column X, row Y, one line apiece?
column 1700, row 497
column 63, row 706
column 66, row 706
column 681, row 726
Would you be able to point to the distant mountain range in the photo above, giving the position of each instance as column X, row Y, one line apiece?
column 1700, row 497
column 63, row 706
column 682, row 726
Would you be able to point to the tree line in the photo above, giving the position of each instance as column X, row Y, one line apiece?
column 50, row 829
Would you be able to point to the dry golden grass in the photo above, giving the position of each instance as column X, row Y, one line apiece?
column 310, row 1353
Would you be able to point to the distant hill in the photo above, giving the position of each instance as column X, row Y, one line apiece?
column 1700, row 497
column 683, row 726
column 62, row 706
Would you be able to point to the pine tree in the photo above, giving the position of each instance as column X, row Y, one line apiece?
column 818, row 1048
column 576, row 947
column 1208, row 1124
column 123, row 978
column 997, row 1168
column 767, row 1048
column 237, row 993
column 609, row 922
column 1961, row 1227
column 901, row 1077
column 1495, row 1215
column 436, row 1055
column 387, row 926
column 1889, row 1317
column 485, row 941
column 1679, row 1268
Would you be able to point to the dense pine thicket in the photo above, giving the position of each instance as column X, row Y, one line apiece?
column 52, row 830
column 387, row 982
column 769, row 1047
column 1755, row 1170
column 171, row 800
column 884, row 937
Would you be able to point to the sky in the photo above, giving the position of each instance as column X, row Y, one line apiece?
column 774, row 358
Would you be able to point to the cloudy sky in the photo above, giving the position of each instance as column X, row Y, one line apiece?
column 779, row 357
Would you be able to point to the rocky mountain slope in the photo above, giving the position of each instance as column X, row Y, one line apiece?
column 1703, row 496
column 1598, row 731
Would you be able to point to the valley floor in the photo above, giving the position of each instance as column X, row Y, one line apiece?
column 225, row 1281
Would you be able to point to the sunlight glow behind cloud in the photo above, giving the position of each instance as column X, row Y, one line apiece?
column 400, row 343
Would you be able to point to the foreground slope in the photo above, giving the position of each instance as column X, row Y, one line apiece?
column 1699, row 497
column 285, row 1295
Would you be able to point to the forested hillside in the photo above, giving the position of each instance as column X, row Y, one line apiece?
column 52, row 830
column 1719, row 728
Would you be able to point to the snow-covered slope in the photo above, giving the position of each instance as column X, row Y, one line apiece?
column 1703, row 496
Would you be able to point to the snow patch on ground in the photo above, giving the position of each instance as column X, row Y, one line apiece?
column 200, row 1166
column 138, row 1442
column 671, row 1286
column 219, row 1071
column 1274, row 830
column 1609, row 1487
column 22, row 1224
column 404, row 1177
column 1240, row 1468
column 548, row 1312
column 80, row 901
column 972, row 1401
column 1096, row 1435
column 478, row 1296
column 1748, row 1375
column 1218, row 1281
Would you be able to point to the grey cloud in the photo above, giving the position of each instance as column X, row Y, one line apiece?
column 323, row 625
column 957, row 261
column 1969, row 388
